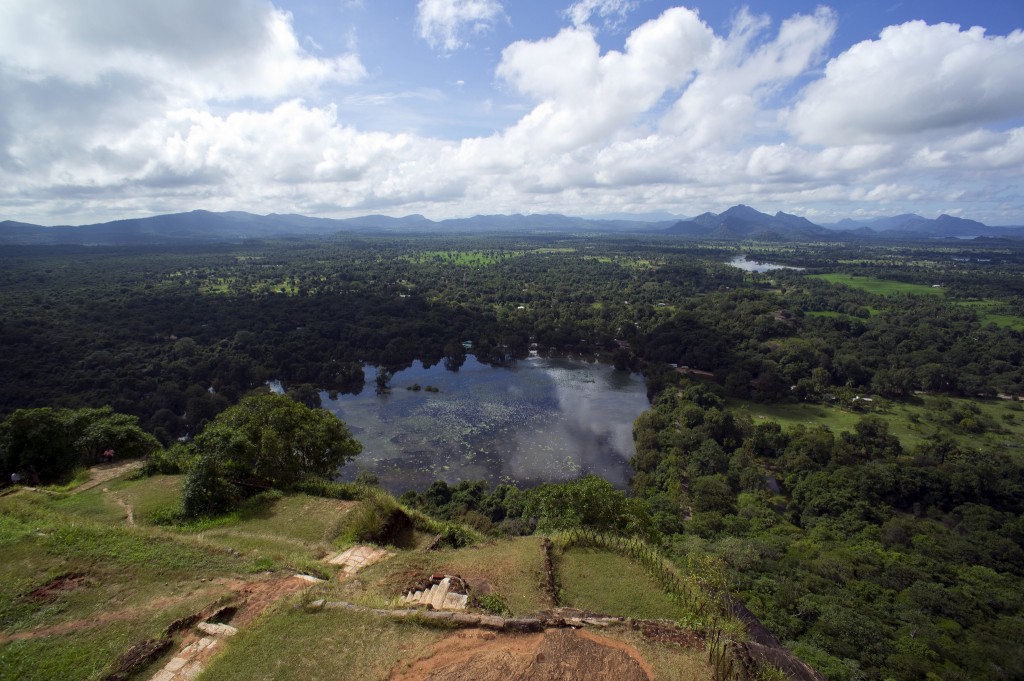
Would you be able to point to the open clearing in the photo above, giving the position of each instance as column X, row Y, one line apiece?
column 881, row 287
column 885, row 287
column 995, row 421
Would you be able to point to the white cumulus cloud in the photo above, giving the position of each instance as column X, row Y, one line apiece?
column 914, row 79
column 444, row 23
column 187, row 48
column 725, row 101
column 586, row 96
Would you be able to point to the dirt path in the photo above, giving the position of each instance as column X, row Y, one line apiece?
column 554, row 655
column 107, row 471
column 128, row 511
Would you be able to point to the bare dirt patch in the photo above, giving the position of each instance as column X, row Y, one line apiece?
column 53, row 589
column 107, row 471
column 259, row 595
column 554, row 655
column 656, row 632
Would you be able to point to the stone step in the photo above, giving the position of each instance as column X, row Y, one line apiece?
column 440, row 595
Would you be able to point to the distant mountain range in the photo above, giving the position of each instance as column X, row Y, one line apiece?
column 737, row 223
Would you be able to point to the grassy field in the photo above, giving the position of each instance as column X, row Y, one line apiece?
column 885, row 287
column 329, row 645
column 593, row 580
column 840, row 315
column 78, row 589
column 464, row 258
column 999, row 422
column 987, row 314
column 512, row 569
column 881, row 287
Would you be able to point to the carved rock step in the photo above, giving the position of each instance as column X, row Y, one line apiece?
column 440, row 592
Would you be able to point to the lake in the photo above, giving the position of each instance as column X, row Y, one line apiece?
column 741, row 262
column 541, row 420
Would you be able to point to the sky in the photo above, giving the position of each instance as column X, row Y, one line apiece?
column 114, row 109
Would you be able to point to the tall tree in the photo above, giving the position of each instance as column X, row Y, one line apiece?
column 264, row 442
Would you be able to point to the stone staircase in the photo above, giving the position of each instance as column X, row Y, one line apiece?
column 439, row 592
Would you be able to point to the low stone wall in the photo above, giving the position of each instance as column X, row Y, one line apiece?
column 554, row 619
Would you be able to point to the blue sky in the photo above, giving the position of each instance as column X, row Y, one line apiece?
column 452, row 108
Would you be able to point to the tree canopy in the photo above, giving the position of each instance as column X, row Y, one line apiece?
column 51, row 443
column 264, row 442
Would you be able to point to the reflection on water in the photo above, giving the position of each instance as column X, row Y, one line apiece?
column 741, row 262
column 539, row 421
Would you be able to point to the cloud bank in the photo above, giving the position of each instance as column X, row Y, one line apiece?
column 115, row 110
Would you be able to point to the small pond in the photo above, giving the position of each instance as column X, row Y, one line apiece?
column 741, row 262
column 541, row 420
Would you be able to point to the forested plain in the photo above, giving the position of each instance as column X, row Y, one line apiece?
column 872, row 555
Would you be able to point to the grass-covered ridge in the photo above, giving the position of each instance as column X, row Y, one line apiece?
column 86, row 576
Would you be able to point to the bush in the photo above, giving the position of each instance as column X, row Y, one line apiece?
column 456, row 536
column 168, row 515
column 177, row 459
column 492, row 603
column 379, row 519
column 207, row 492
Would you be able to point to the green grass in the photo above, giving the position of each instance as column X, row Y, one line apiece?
column 150, row 495
column 881, row 287
column 604, row 582
column 1005, row 320
column 131, row 583
column 838, row 419
column 912, row 421
column 514, row 569
column 329, row 645
column 83, row 654
column 884, row 287
column 93, row 504
column 289, row 531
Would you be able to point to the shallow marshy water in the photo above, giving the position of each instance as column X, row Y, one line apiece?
column 541, row 420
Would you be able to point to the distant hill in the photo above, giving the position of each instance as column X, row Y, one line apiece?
column 910, row 224
column 737, row 223
column 201, row 225
column 743, row 222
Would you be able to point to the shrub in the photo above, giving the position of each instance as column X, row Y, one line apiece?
column 456, row 536
column 321, row 487
column 178, row 458
column 492, row 603
column 381, row 520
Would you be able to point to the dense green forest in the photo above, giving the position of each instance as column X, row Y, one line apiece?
column 871, row 557
column 175, row 336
